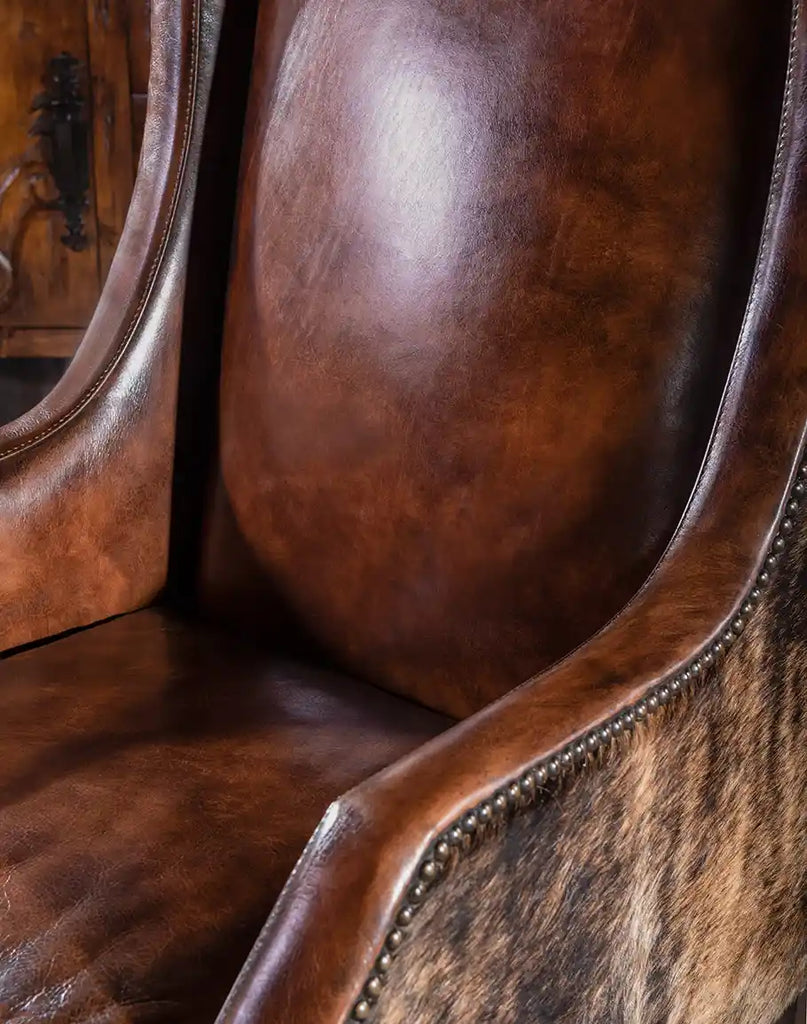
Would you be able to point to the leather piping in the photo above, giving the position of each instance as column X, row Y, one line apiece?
column 92, row 388
column 481, row 821
column 484, row 820
column 376, row 838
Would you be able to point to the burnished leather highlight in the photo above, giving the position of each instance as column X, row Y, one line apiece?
column 715, row 555
column 158, row 782
column 490, row 270
column 514, row 360
column 85, row 477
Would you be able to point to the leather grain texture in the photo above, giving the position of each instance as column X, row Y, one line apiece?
column 297, row 973
column 490, row 269
column 157, row 783
column 85, row 477
column 668, row 884
column 493, row 269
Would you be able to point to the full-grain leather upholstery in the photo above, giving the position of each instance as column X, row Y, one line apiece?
column 491, row 265
column 496, row 346
column 157, row 783
column 85, row 477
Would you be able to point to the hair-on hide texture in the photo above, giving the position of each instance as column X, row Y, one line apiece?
column 665, row 885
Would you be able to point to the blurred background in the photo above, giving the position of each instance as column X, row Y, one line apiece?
column 73, row 84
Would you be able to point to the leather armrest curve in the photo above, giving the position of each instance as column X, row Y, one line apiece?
column 318, row 949
column 85, row 476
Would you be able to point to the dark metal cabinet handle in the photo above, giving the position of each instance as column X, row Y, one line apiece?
column 62, row 126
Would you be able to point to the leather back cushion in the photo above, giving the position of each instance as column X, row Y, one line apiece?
column 490, row 267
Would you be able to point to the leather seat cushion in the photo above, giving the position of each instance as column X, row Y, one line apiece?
column 157, row 782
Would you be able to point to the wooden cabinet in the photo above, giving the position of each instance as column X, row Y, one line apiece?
column 49, row 289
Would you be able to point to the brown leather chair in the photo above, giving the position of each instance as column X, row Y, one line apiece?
column 491, row 561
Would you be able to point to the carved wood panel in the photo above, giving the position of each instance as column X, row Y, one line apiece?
column 139, row 19
column 48, row 291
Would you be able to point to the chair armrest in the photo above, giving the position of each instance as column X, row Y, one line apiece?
column 653, row 875
column 599, row 822
column 85, row 477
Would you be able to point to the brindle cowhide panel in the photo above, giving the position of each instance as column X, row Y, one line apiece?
column 665, row 885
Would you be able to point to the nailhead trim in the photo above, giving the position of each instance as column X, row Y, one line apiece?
column 474, row 825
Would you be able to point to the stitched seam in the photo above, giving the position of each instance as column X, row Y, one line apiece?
column 476, row 823
column 776, row 175
column 148, row 289
column 778, row 164
column 532, row 786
